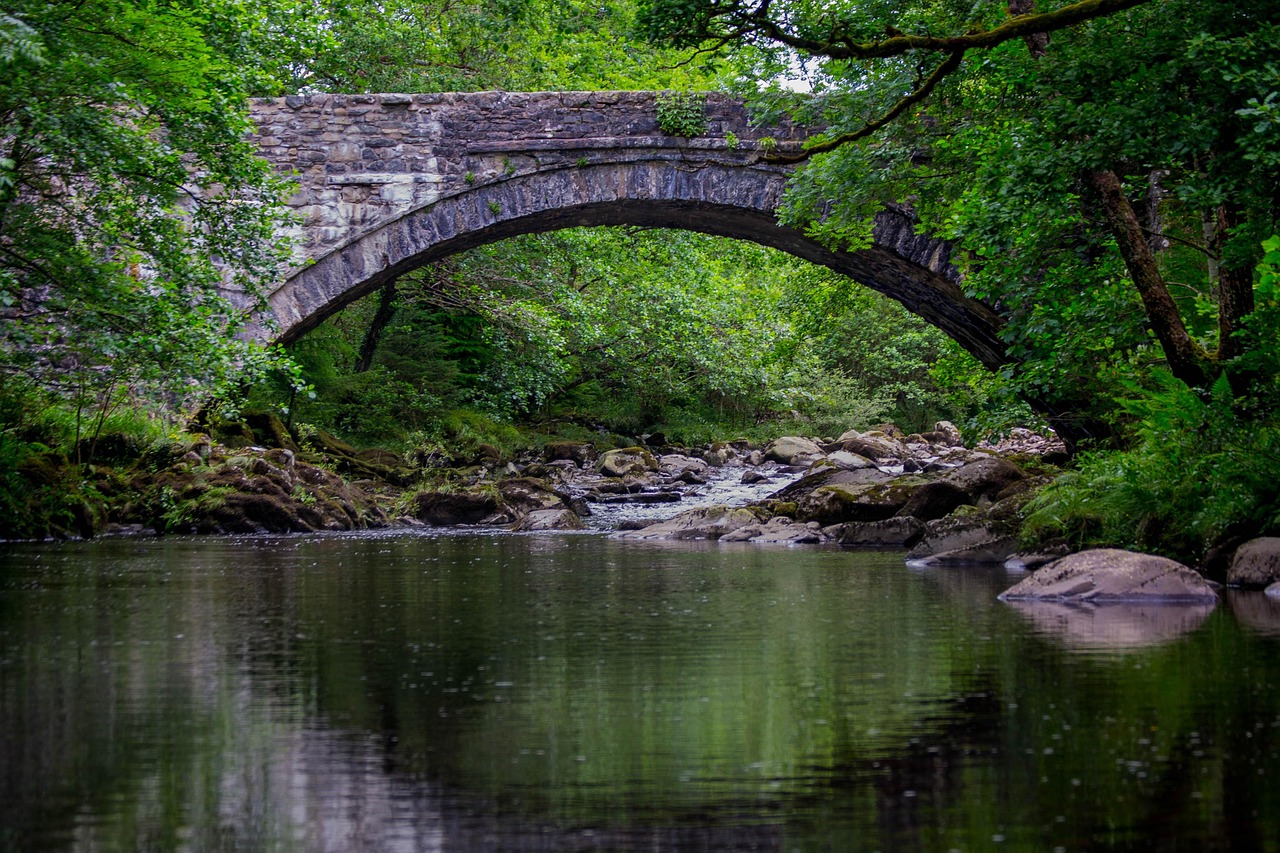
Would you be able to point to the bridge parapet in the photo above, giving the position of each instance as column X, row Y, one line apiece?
column 362, row 161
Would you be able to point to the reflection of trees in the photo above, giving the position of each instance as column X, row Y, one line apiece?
column 442, row 692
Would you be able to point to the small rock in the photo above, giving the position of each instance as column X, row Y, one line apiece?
column 1274, row 590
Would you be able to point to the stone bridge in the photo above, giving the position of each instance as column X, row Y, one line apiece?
column 391, row 182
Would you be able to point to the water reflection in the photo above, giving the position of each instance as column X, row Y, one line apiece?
column 1255, row 610
column 576, row 693
column 1112, row 627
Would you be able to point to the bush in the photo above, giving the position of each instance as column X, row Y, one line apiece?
column 1197, row 473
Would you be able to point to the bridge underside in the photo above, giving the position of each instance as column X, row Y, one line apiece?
column 723, row 200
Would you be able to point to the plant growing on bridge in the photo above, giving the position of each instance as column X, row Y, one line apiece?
column 681, row 113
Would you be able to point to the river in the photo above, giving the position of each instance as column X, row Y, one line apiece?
column 430, row 691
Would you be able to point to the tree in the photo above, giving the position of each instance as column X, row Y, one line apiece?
column 129, row 196
column 1109, row 169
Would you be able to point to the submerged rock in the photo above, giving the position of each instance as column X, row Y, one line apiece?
column 1111, row 575
column 779, row 530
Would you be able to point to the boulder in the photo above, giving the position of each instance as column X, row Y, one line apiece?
column 985, row 479
column 899, row 532
column 549, row 519
column 676, row 465
column 705, row 523
column 1256, row 563
column 838, row 502
column 1112, row 575
column 784, row 531
column 934, row 500
column 1273, row 591
column 829, row 476
column 879, row 447
column 792, row 450
column 965, row 539
column 945, row 433
column 578, row 452
column 849, row 461
column 445, row 508
column 626, row 461
column 524, row 495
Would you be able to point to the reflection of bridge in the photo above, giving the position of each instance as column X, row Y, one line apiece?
column 391, row 182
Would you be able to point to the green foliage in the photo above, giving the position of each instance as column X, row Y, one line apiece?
column 1195, row 474
column 126, row 173
column 681, row 113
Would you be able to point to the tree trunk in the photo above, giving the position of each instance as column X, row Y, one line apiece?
column 386, row 310
column 1188, row 361
column 1235, row 286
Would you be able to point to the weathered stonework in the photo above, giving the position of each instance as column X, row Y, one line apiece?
column 387, row 183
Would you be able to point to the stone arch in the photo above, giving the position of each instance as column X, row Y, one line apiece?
column 727, row 200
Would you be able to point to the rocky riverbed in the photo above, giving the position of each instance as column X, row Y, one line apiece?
column 927, row 494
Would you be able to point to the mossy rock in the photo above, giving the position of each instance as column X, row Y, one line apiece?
column 44, row 469
column 234, row 434
column 835, row 503
column 269, row 430
column 448, row 508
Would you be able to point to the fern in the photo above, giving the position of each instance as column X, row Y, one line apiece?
column 1196, row 473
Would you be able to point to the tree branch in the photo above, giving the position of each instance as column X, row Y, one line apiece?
column 1020, row 26
column 950, row 64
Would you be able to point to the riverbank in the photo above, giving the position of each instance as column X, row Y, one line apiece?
column 872, row 488
column 940, row 503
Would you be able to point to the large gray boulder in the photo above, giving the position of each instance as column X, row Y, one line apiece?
column 793, row 450
column 626, row 461
column 877, row 446
column 1111, row 575
column 837, row 502
column 1256, row 563
column 985, row 479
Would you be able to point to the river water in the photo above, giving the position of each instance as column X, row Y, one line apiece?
column 423, row 692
